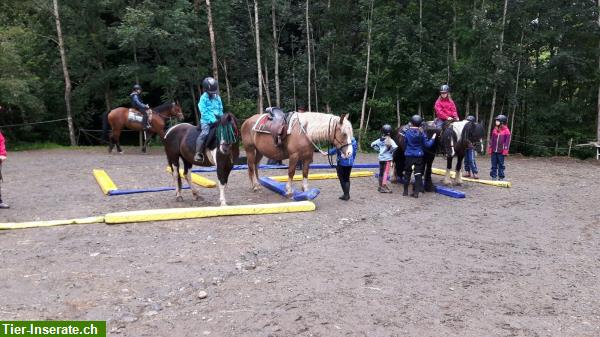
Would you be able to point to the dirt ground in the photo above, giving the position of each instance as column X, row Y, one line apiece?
column 523, row 261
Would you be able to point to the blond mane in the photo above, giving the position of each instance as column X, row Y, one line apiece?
column 318, row 125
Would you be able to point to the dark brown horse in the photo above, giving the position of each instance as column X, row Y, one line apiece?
column 120, row 118
column 221, row 150
column 304, row 130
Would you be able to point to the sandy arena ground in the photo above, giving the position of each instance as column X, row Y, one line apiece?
column 523, row 261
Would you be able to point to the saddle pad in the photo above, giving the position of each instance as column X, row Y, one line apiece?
column 262, row 124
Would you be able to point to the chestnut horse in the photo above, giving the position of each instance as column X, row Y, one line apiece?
column 304, row 130
column 221, row 150
column 118, row 119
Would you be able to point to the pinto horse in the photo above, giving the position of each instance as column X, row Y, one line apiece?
column 221, row 150
column 304, row 130
column 452, row 144
column 118, row 119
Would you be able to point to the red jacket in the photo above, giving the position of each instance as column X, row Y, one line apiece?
column 444, row 108
column 499, row 140
column 2, row 146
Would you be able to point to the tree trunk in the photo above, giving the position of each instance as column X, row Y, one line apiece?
column 276, row 54
column 491, row 120
column 195, row 104
column 213, row 46
column 477, row 109
column 65, row 68
column 266, row 84
column 454, row 56
column 308, row 54
column 468, row 105
column 135, row 61
column 258, row 62
column 598, row 124
column 227, row 84
column 515, row 99
column 107, row 98
column 294, row 77
column 420, row 26
column 420, row 109
column 364, row 102
column 314, row 59
column 398, row 108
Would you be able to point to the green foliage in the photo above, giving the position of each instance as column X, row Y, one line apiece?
column 164, row 45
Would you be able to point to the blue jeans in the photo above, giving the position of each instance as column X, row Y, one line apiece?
column 497, row 165
column 470, row 165
column 205, row 129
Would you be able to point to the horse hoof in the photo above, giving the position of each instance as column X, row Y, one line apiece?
column 223, row 203
column 121, row 152
column 255, row 189
column 179, row 199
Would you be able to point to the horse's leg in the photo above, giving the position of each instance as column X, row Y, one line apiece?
column 187, row 173
column 258, row 156
column 116, row 139
column 447, row 178
column 291, row 172
column 458, row 174
column 223, row 172
column 250, row 160
column 174, row 165
column 305, row 166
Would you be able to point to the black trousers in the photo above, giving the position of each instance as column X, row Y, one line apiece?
column 409, row 162
column 343, row 173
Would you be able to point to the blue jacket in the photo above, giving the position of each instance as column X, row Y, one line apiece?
column 385, row 153
column 209, row 108
column 416, row 141
column 345, row 161
column 137, row 103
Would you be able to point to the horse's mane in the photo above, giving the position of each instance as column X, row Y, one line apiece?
column 162, row 107
column 318, row 124
column 229, row 119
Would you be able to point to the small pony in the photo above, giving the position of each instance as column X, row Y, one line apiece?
column 453, row 143
column 222, row 150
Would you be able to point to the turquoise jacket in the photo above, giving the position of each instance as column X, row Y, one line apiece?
column 209, row 108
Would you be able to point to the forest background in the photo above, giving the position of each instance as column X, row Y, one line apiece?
column 65, row 63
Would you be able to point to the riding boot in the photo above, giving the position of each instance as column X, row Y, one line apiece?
column 199, row 157
column 346, row 189
column 145, row 124
column 418, row 186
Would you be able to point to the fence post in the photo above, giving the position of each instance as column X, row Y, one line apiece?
column 570, row 145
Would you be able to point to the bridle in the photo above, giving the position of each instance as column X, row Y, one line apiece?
column 344, row 145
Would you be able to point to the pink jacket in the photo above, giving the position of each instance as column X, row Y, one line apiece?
column 499, row 140
column 444, row 108
column 2, row 146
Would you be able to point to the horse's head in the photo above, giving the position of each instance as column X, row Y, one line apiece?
column 474, row 134
column 176, row 110
column 227, row 133
column 341, row 135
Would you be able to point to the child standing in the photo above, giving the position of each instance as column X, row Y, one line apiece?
column 498, row 147
column 2, row 159
column 344, row 168
column 470, row 164
column 415, row 142
column 386, row 147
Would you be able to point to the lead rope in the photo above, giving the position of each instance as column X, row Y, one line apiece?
column 310, row 140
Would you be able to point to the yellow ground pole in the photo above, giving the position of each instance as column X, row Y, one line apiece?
column 321, row 176
column 106, row 184
column 197, row 179
column 506, row 184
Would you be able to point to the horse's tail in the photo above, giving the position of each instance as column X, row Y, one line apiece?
column 105, row 126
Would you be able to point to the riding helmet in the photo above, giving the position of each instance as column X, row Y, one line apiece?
column 210, row 85
column 444, row 88
column 137, row 87
column 471, row 118
column 416, row 120
column 386, row 130
column 502, row 119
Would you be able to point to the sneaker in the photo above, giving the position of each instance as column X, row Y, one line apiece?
column 500, row 179
column 3, row 205
column 467, row 175
column 387, row 189
column 475, row 176
column 381, row 190
column 494, row 178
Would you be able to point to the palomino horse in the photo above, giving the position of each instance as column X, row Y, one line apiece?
column 119, row 118
column 304, row 130
column 453, row 144
column 222, row 149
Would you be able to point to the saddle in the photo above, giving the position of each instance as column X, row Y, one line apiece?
column 136, row 116
column 274, row 122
